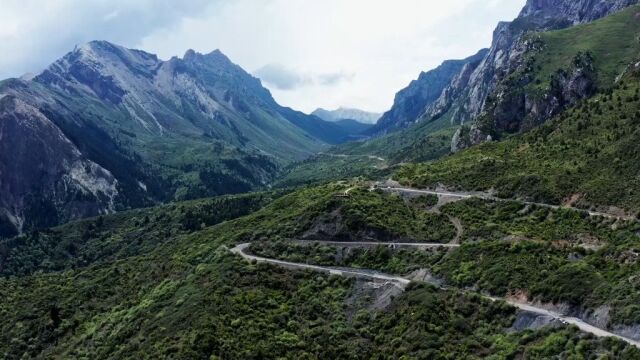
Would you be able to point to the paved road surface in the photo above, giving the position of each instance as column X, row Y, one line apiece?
column 485, row 196
column 377, row 243
column 397, row 280
column 402, row 282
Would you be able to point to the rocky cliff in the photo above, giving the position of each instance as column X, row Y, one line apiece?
column 513, row 102
column 506, row 56
column 44, row 178
column 411, row 102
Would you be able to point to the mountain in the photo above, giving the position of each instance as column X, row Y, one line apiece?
column 578, row 147
column 411, row 102
column 459, row 93
column 549, row 71
column 360, row 116
column 162, row 283
column 108, row 128
column 467, row 100
column 36, row 157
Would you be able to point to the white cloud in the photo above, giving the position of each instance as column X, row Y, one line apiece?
column 381, row 44
column 328, row 53
column 283, row 78
column 33, row 33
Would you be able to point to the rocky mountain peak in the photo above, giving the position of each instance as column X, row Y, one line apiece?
column 346, row 113
column 105, row 53
column 506, row 55
column 214, row 57
column 572, row 11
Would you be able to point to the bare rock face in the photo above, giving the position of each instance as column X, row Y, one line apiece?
column 574, row 12
column 35, row 155
column 412, row 102
column 511, row 109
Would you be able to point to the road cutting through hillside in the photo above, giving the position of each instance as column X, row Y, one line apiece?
column 486, row 196
column 402, row 282
column 377, row 243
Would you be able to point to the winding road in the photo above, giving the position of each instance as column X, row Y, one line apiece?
column 402, row 282
column 486, row 196
column 396, row 280
column 377, row 243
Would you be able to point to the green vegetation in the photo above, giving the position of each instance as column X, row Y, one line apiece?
column 548, row 255
column 375, row 158
column 424, row 141
column 424, row 201
column 388, row 217
column 107, row 238
column 325, row 212
column 314, row 212
column 382, row 258
column 225, row 308
column 559, row 256
column 612, row 42
column 513, row 220
column 188, row 297
column 162, row 283
column 586, row 156
column 331, row 167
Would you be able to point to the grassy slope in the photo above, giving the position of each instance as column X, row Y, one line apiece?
column 613, row 42
column 589, row 151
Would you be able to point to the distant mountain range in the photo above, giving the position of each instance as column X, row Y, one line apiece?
column 107, row 128
column 347, row 114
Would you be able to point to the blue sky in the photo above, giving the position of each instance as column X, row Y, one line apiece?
column 309, row 53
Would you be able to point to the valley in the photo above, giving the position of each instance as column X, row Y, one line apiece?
column 173, row 209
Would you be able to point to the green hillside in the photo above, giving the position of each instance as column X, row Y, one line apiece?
column 587, row 156
column 188, row 297
column 612, row 41
column 553, row 256
column 374, row 158
column 118, row 236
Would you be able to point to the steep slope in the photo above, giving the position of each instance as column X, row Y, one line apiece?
column 411, row 102
column 554, row 70
column 506, row 53
column 538, row 75
column 153, row 130
column 360, row 116
column 470, row 98
column 585, row 156
column 66, row 183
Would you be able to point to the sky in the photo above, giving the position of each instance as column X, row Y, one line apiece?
column 309, row 53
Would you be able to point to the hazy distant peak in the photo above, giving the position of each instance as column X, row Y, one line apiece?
column 345, row 113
